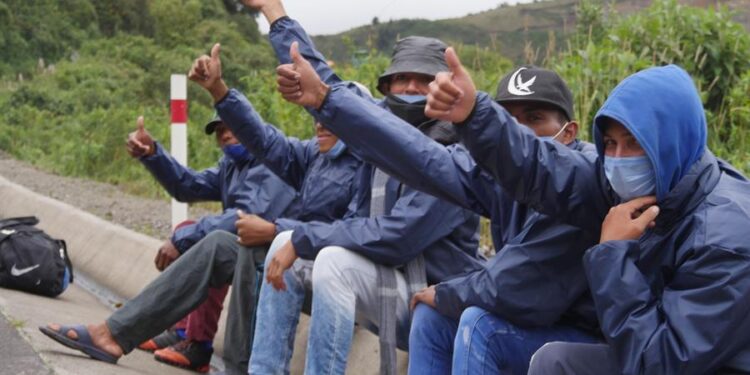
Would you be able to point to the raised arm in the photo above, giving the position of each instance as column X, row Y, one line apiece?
column 287, row 157
column 547, row 176
column 182, row 183
column 415, row 222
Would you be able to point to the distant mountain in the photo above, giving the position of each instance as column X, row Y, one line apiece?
column 506, row 29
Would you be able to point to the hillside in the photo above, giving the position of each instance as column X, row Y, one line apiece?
column 505, row 29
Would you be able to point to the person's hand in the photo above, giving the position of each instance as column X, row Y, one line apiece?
column 452, row 95
column 426, row 296
column 206, row 71
column 299, row 83
column 281, row 261
column 253, row 230
column 140, row 143
column 629, row 220
column 271, row 9
column 166, row 255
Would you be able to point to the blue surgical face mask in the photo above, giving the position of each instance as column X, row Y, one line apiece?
column 236, row 152
column 336, row 150
column 412, row 99
column 630, row 177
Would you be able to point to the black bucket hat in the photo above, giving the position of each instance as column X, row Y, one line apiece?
column 533, row 84
column 415, row 54
column 211, row 125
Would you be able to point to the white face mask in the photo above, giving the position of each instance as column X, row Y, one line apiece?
column 552, row 138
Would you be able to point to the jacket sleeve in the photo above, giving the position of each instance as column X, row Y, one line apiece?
column 263, row 194
column 548, row 176
column 187, row 236
column 287, row 157
column 402, row 151
column 689, row 327
column 182, row 183
column 283, row 32
column 415, row 222
column 532, row 283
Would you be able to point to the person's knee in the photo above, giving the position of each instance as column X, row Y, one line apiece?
column 425, row 324
column 548, row 359
column 328, row 267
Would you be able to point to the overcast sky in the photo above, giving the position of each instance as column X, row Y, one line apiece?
column 333, row 16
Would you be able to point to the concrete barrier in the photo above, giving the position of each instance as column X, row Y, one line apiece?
column 121, row 260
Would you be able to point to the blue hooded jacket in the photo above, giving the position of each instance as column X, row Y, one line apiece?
column 248, row 186
column 413, row 223
column 327, row 185
column 536, row 278
column 676, row 300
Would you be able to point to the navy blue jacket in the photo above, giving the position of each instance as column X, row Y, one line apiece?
column 249, row 186
column 537, row 276
column 327, row 185
column 677, row 300
column 413, row 223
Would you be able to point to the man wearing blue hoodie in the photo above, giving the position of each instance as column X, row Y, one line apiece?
column 670, row 276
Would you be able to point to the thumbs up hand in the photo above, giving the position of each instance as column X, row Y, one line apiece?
column 299, row 83
column 140, row 143
column 452, row 95
column 206, row 71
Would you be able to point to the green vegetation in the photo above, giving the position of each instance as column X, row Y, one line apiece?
column 90, row 68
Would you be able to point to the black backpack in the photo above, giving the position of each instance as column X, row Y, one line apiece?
column 32, row 261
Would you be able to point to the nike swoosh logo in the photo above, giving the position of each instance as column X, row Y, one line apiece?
column 18, row 272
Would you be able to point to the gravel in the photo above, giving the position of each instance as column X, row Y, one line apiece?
column 148, row 216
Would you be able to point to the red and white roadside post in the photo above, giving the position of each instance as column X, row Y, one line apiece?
column 178, row 84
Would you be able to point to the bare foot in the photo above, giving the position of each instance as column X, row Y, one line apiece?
column 100, row 336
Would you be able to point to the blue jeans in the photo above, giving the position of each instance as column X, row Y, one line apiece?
column 481, row 343
column 431, row 341
column 277, row 316
column 344, row 291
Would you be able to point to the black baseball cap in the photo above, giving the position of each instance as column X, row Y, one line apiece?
column 415, row 54
column 533, row 84
column 211, row 125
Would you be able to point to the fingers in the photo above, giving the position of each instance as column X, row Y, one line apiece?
column 140, row 124
column 639, row 203
column 454, row 64
column 294, row 53
column 241, row 214
column 215, row 50
column 647, row 217
column 444, row 83
column 274, row 275
column 159, row 261
column 414, row 301
column 288, row 73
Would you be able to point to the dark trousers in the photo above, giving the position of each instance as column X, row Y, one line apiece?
column 213, row 262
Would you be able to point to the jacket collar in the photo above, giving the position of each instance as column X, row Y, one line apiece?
column 689, row 192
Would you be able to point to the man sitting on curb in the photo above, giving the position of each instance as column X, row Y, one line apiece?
column 322, row 169
column 239, row 185
column 240, row 181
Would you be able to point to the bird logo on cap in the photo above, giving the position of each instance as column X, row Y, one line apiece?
column 517, row 86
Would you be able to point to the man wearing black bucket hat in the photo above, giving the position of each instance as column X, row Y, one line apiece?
column 367, row 267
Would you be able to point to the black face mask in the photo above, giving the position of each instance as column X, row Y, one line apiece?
column 412, row 113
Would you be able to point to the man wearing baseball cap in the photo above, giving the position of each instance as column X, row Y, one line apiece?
column 194, row 288
column 518, row 301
